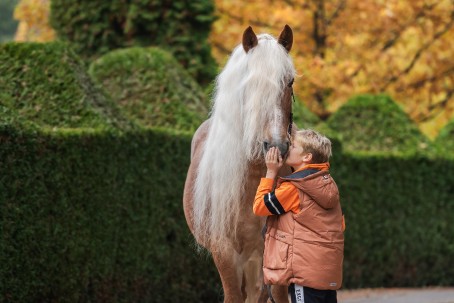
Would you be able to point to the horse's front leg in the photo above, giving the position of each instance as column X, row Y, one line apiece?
column 253, row 285
column 231, row 273
column 280, row 293
column 253, row 279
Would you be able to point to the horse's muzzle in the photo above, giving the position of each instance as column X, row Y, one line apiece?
column 283, row 147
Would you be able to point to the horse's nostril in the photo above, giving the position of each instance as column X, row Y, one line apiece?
column 266, row 145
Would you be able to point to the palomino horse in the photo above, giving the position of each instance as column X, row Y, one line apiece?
column 252, row 111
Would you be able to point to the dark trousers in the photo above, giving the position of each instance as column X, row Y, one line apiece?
column 300, row 294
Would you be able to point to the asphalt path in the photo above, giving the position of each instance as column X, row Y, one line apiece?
column 398, row 295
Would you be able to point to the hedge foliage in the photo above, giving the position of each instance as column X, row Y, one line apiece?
column 47, row 85
column 398, row 213
column 376, row 123
column 81, row 192
column 151, row 88
column 302, row 116
column 95, row 216
column 445, row 139
column 182, row 27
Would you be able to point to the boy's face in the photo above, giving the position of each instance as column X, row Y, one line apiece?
column 295, row 155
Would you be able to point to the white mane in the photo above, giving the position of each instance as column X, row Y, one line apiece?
column 246, row 95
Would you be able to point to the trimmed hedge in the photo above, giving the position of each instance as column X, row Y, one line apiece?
column 95, row 216
column 90, row 203
column 182, row 27
column 302, row 116
column 46, row 84
column 398, row 213
column 376, row 123
column 445, row 139
column 151, row 88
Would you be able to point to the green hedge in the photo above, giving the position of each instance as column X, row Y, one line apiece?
column 182, row 27
column 376, row 123
column 47, row 85
column 399, row 219
column 151, row 88
column 94, row 216
column 445, row 139
column 90, row 202
column 302, row 116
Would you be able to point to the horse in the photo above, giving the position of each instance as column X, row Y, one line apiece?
column 251, row 112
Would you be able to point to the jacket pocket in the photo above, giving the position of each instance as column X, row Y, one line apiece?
column 277, row 250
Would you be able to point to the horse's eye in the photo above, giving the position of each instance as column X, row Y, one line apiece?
column 290, row 84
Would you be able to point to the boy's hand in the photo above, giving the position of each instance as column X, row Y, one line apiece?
column 273, row 161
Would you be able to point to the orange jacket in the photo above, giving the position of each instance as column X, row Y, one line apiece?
column 303, row 244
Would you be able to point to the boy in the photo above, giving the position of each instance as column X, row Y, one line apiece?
column 304, row 240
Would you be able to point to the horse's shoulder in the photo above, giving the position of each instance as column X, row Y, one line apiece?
column 200, row 135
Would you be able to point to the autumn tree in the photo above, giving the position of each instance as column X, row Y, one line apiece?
column 33, row 17
column 342, row 48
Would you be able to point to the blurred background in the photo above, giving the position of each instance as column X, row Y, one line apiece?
column 342, row 48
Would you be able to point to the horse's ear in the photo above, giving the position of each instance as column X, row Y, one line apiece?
column 286, row 38
column 249, row 39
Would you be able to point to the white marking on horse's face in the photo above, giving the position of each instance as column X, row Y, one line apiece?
column 276, row 125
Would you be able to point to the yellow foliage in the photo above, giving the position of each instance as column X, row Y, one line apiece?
column 33, row 17
column 342, row 48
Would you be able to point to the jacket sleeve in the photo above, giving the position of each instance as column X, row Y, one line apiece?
column 283, row 199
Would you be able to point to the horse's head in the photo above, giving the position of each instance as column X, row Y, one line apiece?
column 268, row 88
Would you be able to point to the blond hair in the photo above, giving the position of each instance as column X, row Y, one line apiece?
column 315, row 143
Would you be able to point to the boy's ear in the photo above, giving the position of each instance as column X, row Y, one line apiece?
column 307, row 157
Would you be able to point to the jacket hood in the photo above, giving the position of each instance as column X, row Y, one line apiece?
column 319, row 185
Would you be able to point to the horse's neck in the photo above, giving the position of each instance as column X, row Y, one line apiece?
column 256, row 169
column 254, row 172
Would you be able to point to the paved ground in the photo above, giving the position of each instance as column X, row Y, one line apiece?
column 397, row 295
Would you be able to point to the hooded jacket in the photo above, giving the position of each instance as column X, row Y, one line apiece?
column 306, row 247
